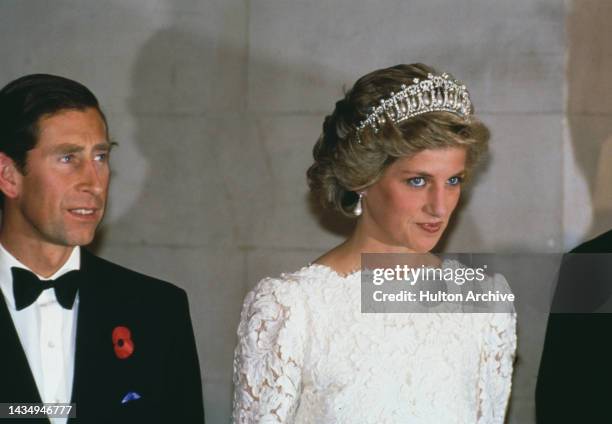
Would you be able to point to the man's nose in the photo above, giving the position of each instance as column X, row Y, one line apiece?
column 92, row 178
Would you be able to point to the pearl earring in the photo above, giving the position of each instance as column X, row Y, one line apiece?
column 358, row 209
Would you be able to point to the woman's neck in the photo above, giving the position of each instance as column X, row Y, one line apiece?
column 346, row 257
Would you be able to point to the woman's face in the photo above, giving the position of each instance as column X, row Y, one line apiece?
column 410, row 206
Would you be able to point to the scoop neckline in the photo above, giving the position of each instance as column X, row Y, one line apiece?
column 330, row 270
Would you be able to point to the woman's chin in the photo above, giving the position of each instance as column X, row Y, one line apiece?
column 424, row 246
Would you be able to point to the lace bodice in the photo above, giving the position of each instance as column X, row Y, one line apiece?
column 306, row 354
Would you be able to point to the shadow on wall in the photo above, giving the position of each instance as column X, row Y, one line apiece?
column 211, row 186
column 214, row 173
column 187, row 103
column 590, row 104
column 185, row 107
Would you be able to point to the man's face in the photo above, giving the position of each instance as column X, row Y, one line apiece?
column 62, row 196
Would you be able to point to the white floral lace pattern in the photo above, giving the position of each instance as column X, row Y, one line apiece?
column 497, row 359
column 306, row 354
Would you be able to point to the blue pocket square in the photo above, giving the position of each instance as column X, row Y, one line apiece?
column 129, row 397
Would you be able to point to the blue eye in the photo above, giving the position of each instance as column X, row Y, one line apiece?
column 455, row 181
column 66, row 158
column 416, row 181
column 102, row 157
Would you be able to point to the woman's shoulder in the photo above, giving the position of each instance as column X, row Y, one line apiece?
column 307, row 285
column 494, row 286
column 295, row 285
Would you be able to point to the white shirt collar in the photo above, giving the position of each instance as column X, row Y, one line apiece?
column 7, row 261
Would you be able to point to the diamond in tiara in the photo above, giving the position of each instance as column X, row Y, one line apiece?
column 434, row 94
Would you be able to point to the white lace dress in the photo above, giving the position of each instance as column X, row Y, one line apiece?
column 306, row 354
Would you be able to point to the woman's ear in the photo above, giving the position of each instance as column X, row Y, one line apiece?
column 10, row 177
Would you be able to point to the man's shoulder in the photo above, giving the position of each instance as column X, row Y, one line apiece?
column 600, row 244
column 129, row 282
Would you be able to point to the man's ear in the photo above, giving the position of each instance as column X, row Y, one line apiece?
column 10, row 177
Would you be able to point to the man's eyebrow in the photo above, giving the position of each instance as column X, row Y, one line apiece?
column 66, row 148
column 76, row 148
column 107, row 145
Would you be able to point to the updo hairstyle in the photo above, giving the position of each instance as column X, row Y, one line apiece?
column 345, row 164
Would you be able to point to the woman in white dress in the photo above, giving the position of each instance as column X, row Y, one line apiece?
column 306, row 353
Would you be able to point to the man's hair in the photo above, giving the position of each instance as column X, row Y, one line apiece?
column 24, row 101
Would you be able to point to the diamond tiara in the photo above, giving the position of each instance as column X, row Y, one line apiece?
column 436, row 93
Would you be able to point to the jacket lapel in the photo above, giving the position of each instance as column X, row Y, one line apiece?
column 90, row 387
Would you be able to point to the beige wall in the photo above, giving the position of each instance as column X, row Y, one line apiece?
column 216, row 106
column 588, row 197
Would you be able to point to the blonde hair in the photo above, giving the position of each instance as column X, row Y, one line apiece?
column 342, row 165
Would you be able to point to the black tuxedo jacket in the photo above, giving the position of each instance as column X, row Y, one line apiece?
column 574, row 382
column 163, row 368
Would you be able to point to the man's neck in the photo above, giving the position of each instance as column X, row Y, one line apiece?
column 44, row 259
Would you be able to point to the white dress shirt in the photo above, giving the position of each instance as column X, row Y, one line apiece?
column 46, row 330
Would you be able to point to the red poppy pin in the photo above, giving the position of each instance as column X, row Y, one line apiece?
column 122, row 342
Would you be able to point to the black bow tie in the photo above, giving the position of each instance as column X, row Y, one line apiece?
column 27, row 287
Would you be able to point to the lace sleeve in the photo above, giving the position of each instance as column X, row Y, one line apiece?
column 496, row 364
column 269, row 355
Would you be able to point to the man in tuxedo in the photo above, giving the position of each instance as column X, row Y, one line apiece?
column 576, row 368
column 76, row 328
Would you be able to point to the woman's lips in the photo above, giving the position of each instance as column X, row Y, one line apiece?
column 431, row 228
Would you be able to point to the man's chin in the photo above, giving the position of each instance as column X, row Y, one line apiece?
column 75, row 240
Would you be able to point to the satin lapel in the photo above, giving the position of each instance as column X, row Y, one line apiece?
column 88, row 388
column 80, row 350
column 18, row 384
